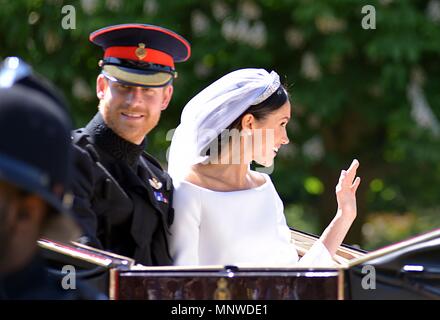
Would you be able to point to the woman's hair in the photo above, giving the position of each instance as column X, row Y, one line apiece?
column 263, row 109
column 259, row 111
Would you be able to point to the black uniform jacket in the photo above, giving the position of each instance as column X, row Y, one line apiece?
column 122, row 196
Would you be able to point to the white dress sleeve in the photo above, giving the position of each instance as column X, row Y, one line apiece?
column 317, row 256
column 184, row 239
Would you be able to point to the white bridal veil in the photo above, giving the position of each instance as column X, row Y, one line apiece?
column 212, row 110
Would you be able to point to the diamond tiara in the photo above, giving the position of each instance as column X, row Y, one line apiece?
column 270, row 89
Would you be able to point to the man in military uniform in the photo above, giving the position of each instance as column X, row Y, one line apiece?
column 122, row 196
column 35, row 168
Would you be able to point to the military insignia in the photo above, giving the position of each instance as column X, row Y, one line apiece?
column 156, row 184
column 160, row 197
column 141, row 52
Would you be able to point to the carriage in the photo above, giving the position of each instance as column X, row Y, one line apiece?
column 408, row 269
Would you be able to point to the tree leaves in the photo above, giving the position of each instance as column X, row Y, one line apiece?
column 348, row 85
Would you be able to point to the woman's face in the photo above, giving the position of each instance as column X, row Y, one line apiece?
column 269, row 134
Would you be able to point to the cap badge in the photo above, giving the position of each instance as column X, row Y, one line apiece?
column 156, row 184
column 141, row 52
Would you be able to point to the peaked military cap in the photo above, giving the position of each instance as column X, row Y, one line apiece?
column 140, row 54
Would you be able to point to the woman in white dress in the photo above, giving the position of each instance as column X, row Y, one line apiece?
column 225, row 213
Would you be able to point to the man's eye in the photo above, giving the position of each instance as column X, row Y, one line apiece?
column 121, row 86
column 147, row 90
column 283, row 124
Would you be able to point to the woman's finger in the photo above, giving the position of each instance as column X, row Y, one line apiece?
column 356, row 183
column 351, row 172
column 342, row 175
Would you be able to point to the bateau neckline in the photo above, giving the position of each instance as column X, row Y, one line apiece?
column 262, row 186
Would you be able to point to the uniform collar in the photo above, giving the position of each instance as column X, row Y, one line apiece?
column 107, row 140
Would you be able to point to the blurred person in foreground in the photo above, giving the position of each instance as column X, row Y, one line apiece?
column 35, row 168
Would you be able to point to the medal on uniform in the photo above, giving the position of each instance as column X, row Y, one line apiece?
column 156, row 184
column 160, row 197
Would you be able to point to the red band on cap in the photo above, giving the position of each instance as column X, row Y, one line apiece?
column 140, row 54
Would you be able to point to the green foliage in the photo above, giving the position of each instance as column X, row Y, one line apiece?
column 297, row 218
column 349, row 86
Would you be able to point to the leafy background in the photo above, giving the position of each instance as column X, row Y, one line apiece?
column 367, row 94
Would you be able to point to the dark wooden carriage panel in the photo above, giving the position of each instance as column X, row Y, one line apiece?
column 224, row 285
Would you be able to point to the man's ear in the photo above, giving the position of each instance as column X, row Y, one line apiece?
column 101, row 86
column 167, row 94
